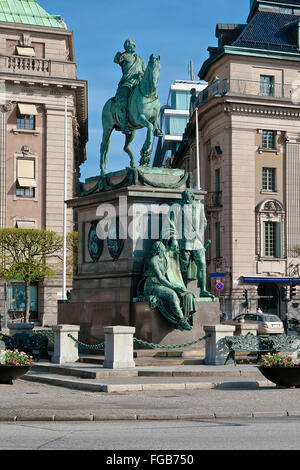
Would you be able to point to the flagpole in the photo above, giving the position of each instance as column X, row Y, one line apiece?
column 64, row 287
column 197, row 151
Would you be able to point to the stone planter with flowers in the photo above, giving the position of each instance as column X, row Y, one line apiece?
column 13, row 365
column 282, row 370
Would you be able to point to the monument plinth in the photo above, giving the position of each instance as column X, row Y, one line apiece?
column 127, row 206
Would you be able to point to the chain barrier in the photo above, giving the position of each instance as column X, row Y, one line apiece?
column 175, row 346
column 87, row 346
column 140, row 341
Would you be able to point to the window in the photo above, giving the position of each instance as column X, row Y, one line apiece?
column 266, row 85
column 26, row 122
column 217, row 180
column 217, row 202
column 26, row 184
column 218, row 240
column 272, row 243
column 24, row 192
column 270, row 238
column 175, row 124
column 269, row 179
column 180, row 100
column 268, row 139
column 240, row 317
column 270, row 233
column 26, row 116
column 251, row 317
column 16, row 297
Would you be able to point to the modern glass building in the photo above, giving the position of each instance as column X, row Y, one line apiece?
column 174, row 118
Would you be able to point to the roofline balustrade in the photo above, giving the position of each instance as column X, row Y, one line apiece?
column 32, row 65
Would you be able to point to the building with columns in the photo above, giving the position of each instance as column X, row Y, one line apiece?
column 249, row 147
column 40, row 96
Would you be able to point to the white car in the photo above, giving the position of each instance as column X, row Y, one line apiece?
column 267, row 323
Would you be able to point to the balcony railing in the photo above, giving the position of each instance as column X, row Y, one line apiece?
column 27, row 64
column 236, row 87
column 34, row 66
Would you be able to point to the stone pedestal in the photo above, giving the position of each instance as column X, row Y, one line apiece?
column 215, row 350
column 109, row 274
column 65, row 348
column 151, row 326
column 119, row 347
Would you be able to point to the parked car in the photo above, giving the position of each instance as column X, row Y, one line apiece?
column 267, row 323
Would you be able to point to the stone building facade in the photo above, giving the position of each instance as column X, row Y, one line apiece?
column 39, row 93
column 249, row 147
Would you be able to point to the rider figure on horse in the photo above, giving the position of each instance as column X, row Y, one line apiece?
column 133, row 68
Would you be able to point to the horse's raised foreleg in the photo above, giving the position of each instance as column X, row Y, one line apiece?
column 145, row 154
column 104, row 149
column 129, row 139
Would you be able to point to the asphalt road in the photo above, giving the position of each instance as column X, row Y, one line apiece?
column 30, row 400
column 220, row 434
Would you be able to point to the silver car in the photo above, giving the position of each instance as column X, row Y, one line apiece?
column 267, row 323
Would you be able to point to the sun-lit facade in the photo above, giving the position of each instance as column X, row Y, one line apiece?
column 249, row 145
column 38, row 77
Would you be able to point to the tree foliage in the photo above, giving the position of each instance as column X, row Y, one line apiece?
column 25, row 254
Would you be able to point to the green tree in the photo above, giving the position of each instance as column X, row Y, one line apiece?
column 25, row 255
column 72, row 253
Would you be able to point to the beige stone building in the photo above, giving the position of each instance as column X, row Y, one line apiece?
column 249, row 147
column 39, row 92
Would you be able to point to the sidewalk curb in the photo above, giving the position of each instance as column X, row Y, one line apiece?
column 148, row 417
column 109, row 388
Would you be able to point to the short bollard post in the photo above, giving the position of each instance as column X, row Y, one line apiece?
column 65, row 348
column 215, row 351
column 119, row 347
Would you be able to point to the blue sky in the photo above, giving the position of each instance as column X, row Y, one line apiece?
column 178, row 30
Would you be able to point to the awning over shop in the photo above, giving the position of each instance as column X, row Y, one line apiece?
column 274, row 280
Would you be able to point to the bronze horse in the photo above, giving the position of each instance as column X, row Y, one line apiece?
column 143, row 111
